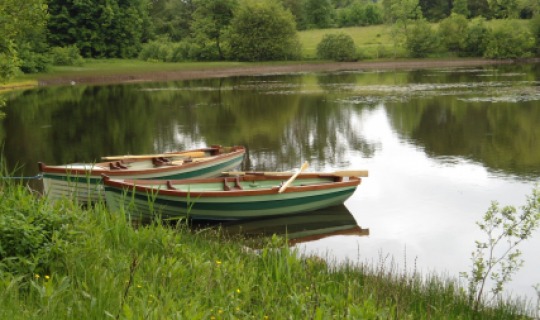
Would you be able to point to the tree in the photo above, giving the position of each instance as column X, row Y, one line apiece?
column 211, row 18
column 298, row 10
column 90, row 25
column 479, row 8
column 435, row 10
column 510, row 40
column 452, row 31
column 338, row 47
column 172, row 18
column 461, row 7
column 476, row 38
column 535, row 29
column 498, row 257
column 401, row 14
column 262, row 31
column 360, row 14
column 528, row 8
column 17, row 19
column 421, row 40
column 502, row 9
column 319, row 14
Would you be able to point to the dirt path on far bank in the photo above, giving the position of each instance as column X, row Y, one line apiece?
column 257, row 69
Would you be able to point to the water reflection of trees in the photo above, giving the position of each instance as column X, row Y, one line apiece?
column 283, row 120
column 280, row 127
column 502, row 136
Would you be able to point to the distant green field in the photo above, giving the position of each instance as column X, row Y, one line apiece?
column 371, row 40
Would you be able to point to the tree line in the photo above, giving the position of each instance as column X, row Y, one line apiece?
column 38, row 33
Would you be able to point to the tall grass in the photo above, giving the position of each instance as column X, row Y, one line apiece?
column 106, row 268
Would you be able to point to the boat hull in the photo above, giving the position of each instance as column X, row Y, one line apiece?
column 144, row 202
column 83, row 182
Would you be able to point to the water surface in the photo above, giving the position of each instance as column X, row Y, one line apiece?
column 440, row 145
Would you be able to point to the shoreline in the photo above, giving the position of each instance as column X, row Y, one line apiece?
column 75, row 78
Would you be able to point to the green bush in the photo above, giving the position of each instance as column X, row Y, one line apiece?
column 180, row 51
column 535, row 29
column 262, row 31
column 452, row 32
column 159, row 50
column 66, row 56
column 33, row 235
column 422, row 40
column 9, row 64
column 32, row 61
column 338, row 47
column 476, row 38
column 510, row 40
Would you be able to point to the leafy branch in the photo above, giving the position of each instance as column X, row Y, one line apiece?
column 498, row 257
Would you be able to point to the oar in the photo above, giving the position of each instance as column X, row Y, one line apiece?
column 291, row 179
column 341, row 173
column 192, row 154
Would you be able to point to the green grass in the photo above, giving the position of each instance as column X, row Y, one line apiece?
column 72, row 263
column 372, row 41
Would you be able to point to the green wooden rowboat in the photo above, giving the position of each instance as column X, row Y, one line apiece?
column 82, row 181
column 228, row 198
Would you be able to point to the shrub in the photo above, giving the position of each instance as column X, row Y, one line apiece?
column 66, row 56
column 421, row 40
column 159, row 50
column 262, row 31
column 180, row 51
column 453, row 31
column 535, row 29
column 338, row 47
column 33, row 235
column 510, row 40
column 476, row 38
column 32, row 61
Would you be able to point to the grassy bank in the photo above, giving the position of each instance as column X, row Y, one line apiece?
column 62, row 262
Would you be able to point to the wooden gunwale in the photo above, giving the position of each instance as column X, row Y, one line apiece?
column 97, row 172
column 144, row 186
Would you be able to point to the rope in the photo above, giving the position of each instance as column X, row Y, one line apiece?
column 38, row 176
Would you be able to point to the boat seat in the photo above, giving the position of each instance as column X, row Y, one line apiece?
column 116, row 165
column 236, row 186
column 164, row 160
column 121, row 165
column 170, row 185
column 157, row 162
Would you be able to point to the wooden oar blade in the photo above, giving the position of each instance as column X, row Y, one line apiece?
column 351, row 173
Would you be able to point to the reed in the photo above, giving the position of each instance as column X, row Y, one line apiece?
column 94, row 264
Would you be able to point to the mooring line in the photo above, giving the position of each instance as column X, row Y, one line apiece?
column 38, row 176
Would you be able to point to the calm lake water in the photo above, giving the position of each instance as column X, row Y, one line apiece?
column 439, row 144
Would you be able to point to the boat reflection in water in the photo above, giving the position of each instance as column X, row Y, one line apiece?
column 298, row 228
